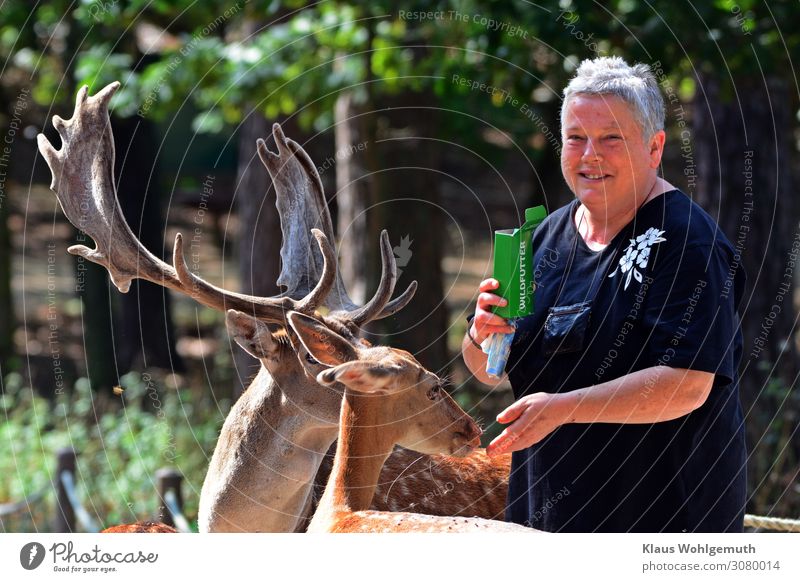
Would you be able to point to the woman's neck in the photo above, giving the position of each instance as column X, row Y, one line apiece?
column 599, row 227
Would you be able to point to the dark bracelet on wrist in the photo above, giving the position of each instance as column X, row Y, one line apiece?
column 472, row 339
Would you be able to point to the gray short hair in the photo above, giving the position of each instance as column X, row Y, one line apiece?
column 635, row 84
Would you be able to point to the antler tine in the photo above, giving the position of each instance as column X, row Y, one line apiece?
column 385, row 289
column 398, row 302
column 272, row 309
column 83, row 180
column 329, row 267
column 301, row 204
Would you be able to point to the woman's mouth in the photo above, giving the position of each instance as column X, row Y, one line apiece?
column 593, row 177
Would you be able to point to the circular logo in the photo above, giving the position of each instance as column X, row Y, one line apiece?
column 31, row 555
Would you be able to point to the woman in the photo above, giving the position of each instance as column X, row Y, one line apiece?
column 627, row 415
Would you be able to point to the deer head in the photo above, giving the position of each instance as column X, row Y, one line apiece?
column 415, row 410
column 389, row 398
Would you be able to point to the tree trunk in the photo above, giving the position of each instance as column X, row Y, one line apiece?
column 259, row 228
column 92, row 282
column 403, row 197
column 354, row 188
column 93, row 288
column 146, row 335
column 743, row 152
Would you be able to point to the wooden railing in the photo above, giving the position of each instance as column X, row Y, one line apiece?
column 70, row 514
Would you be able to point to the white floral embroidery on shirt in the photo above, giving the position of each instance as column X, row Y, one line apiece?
column 637, row 254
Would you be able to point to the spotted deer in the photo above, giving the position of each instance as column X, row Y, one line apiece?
column 276, row 435
column 141, row 527
column 388, row 399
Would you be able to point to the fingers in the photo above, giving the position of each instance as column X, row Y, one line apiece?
column 486, row 322
column 513, row 412
column 532, row 418
column 488, row 285
column 506, row 442
column 487, row 300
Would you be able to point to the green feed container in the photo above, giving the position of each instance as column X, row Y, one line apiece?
column 513, row 266
column 513, row 269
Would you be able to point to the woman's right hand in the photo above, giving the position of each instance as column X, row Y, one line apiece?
column 486, row 322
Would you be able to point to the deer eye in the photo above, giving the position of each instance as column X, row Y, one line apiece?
column 310, row 359
column 433, row 393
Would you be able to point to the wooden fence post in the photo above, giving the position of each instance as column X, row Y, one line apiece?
column 169, row 478
column 65, row 514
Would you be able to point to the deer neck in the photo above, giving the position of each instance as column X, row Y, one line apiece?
column 282, row 445
column 364, row 444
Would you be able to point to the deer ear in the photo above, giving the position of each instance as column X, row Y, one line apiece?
column 253, row 335
column 363, row 377
column 324, row 345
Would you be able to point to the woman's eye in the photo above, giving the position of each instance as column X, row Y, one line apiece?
column 310, row 359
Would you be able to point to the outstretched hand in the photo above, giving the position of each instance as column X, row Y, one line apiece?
column 531, row 419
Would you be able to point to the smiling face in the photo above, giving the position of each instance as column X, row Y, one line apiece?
column 605, row 160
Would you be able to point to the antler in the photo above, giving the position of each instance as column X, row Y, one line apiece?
column 83, row 180
column 301, row 206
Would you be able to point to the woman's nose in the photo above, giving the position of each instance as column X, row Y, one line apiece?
column 590, row 152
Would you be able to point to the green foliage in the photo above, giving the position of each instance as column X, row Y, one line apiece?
column 118, row 450
column 225, row 57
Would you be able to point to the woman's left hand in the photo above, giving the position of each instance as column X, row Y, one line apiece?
column 532, row 418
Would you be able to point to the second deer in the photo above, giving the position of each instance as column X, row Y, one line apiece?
column 389, row 399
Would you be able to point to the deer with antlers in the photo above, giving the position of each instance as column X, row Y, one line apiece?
column 389, row 399
column 273, row 441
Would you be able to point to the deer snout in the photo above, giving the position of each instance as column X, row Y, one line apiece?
column 474, row 433
column 468, row 437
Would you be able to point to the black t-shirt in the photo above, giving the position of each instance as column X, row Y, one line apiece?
column 664, row 292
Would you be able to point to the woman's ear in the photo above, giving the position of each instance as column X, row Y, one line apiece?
column 324, row 345
column 657, row 148
column 365, row 377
